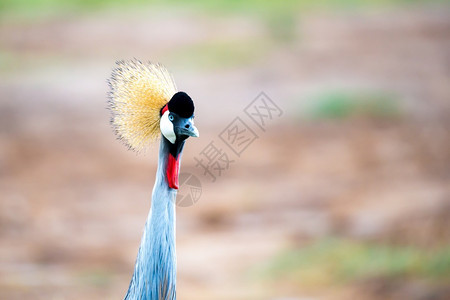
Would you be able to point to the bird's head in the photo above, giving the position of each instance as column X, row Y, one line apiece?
column 177, row 118
column 144, row 102
column 177, row 124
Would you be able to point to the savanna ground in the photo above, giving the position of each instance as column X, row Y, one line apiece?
column 346, row 195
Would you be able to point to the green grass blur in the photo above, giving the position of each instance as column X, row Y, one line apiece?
column 347, row 104
column 340, row 261
column 273, row 8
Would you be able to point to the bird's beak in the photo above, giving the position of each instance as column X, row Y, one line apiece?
column 191, row 131
column 187, row 129
column 194, row 132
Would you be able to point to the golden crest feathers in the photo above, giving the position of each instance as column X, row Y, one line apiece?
column 137, row 93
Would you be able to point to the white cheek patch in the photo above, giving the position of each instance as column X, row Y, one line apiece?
column 166, row 127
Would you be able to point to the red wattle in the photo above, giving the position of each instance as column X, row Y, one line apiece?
column 173, row 166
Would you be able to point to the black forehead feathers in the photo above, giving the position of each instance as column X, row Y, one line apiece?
column 182, row 105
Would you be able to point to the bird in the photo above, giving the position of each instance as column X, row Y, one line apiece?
column 146, row 106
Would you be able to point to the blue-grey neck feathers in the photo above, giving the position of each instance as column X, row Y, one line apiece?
column 154, row 275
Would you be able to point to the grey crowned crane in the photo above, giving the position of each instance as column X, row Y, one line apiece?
column 145, row 104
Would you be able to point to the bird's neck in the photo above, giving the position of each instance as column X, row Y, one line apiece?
column 155, row 271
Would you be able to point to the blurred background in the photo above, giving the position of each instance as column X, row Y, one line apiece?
column 346, row 195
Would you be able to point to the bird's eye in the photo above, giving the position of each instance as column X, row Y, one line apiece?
column 170, row 118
